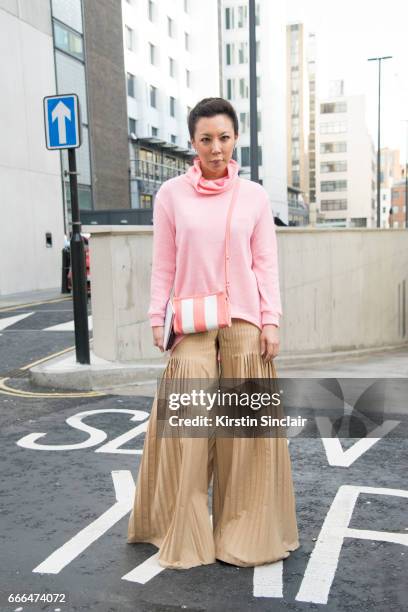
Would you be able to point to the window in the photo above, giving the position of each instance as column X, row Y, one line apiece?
column 230, row 89
column 333, row 147
column 358, row 222
column 186, row 41
column 155, row 131
column 153, row 96
column 132, row 126
column 151, row 10
column 130, row 84
column 258, row 86
column 333, row 186
column 336, row 127
column 335, row 166
column 188, row 80
column 258, row 50
column 259, row 121
column 173, row 138
column 333, row 205
column 146, row 201
column 229, row 52
column 334, row 107
column 243, row 53
column 152, row 53
column 245, row 157
column 243, row 88
column 172, row 106
column 257, row 14
column 68, row 41
column 172, row 69
column 242, row 16
column 129, row 38
column 243, row 123
column 229, row 18
column 170, row 27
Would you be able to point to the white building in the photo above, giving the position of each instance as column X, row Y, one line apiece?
column 30, row 176
column 168, row 67
column 346, row 169
column 271, row 76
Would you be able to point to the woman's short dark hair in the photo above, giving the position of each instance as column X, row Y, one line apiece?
column 209, row 107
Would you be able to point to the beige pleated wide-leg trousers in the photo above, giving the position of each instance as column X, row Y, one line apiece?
column 253, row 502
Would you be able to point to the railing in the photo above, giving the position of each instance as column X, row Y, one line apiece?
column 152, row 171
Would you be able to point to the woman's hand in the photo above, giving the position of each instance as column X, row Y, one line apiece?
column 158, row 334
column 269, row 341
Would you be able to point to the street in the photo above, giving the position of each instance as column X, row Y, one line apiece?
column 69, row 471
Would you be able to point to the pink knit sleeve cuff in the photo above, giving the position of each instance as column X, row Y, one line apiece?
column 270, row 319
column 156, row 321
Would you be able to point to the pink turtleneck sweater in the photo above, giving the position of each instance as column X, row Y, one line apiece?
column 189, row 221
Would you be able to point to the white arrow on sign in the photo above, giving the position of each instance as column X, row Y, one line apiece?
column 60, row 113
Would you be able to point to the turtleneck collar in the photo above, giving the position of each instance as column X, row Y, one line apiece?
column 212, row 186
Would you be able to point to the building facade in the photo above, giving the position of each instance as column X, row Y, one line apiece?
column 270, row 63
column 167, row 73
column 397, row 214
column 346, row 173
column 30, row 175
column 299, row 106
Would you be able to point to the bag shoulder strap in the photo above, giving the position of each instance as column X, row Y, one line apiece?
column 227, row 255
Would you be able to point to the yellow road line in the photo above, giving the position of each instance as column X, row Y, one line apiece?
column 6, row 390
column 31, row 365
column 9, row 308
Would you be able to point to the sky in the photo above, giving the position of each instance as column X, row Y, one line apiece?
column 347, row 33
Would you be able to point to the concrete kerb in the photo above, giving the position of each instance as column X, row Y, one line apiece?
column 64, row 372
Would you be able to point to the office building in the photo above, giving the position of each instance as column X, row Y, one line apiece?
column 300, row 100
column 271, row 106
column 346, row 172
column 168, row 70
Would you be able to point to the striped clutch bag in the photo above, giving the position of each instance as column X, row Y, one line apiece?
column 200, row 313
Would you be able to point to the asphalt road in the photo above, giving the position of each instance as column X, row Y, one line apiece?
column 66, row 495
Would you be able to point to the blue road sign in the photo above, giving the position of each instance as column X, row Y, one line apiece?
column 62, row 122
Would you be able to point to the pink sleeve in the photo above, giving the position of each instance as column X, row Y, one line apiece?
column 164, row 260
column 265, row 265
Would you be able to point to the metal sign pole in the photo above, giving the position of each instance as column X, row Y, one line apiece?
column 79, row 283
column 62, row 121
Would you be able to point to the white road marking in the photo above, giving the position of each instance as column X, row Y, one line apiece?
column 96, row 436
column 7, row 321
column 68, row 326
column 148, row 569
column 124, row 491
column 268, row 580
column 145, row 571
column 336, row 456
column 321, row 569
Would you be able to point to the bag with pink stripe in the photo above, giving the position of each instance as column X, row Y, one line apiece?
column 200, row 313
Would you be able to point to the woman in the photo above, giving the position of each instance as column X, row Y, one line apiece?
column 253, row 505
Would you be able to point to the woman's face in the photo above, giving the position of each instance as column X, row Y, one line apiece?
column 214, row 141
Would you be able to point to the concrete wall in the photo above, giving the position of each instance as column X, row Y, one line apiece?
column 345, row 295
column 31, row 197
